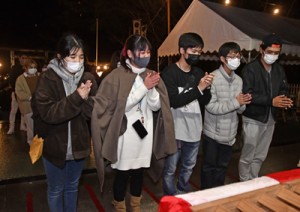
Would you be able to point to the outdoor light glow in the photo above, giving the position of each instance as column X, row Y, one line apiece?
column 227, row 2
column 276, row 11
column 105, row 67
column 98, row 67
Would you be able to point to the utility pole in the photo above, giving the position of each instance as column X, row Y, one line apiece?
column 96, row 62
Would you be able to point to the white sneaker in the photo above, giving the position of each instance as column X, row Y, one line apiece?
column 10, row 131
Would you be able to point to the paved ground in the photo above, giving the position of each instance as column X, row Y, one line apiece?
column 23, row 186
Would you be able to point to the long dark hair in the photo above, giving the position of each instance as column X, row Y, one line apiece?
column 134, row 43
column 67, row 43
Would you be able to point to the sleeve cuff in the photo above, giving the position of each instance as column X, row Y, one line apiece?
column 200, row 90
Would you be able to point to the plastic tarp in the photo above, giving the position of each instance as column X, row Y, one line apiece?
column 218, row 24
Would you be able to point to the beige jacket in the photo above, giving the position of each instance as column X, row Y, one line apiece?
column 23, row 94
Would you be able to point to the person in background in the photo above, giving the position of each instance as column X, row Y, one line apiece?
column 124, row 130
column 114, row 63
column 62, row 107
column 221, row 117
column 44, row 67
column 187, row 87
column 265, row 80
column 25, row 87
column 115, row 60
column 14, row 73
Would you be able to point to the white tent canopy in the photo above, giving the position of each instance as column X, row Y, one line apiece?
column 218, row 24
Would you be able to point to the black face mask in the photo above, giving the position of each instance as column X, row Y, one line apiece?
column 141, row 62
column 192, row 59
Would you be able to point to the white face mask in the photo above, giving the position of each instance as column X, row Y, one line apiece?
column 32, row 71
column 270, row 58
column 74, row 67
column 233, row 64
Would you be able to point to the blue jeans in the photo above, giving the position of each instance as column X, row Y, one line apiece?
column 63, row 185
column 187, row 152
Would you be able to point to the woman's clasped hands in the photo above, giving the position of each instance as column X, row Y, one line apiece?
column 151, row 80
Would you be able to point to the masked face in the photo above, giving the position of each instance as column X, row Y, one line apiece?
column 233, row 63
column 32, row 71
column 192, row 59
column 74, row 62
column 191, row 55
column 140, row 58
column 73, row 67
column 141, row 62
column 270, row 58
column 270, row 54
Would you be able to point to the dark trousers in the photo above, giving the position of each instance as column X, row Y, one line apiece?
column 121, row 180
column 215, row 162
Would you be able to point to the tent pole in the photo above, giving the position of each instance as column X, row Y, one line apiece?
column 169, row 23
column 249, row 56
column 169, row 16
column 158, row 64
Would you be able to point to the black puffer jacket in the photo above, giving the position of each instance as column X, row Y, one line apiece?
column 255, row 79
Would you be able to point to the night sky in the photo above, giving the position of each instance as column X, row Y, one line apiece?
column 38, row 24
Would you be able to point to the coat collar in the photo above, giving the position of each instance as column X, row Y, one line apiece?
column 229, row 78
